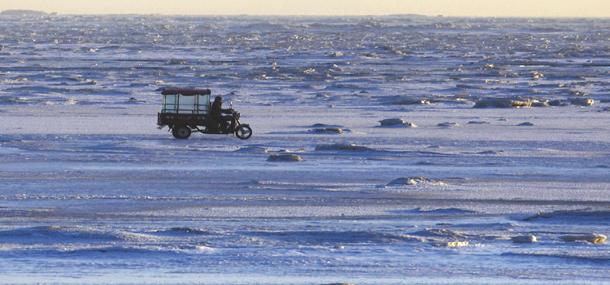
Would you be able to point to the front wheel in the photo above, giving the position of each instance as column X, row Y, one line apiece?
column 243, row 132
column 182, row 132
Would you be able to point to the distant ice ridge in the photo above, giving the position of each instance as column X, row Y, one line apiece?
column 22, row 13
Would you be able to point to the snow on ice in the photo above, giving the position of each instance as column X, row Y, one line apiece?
column 442, row 192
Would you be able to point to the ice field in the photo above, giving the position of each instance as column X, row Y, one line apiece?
column 92, row 192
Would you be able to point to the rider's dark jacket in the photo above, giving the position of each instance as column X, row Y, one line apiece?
column 217, row 110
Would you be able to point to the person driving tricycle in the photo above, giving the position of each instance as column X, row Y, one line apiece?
column 217, row 114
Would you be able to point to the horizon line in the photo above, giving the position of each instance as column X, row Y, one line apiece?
column 303, row 15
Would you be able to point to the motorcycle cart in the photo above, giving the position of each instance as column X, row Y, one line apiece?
column 187, row 110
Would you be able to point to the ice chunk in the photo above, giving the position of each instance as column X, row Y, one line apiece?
column 391, row 122
column 396, row 122
column 501, row 103
column 538, row 103
column 524, row 239
column 348, row 147
column 412, row 102
column 284, row 157
column 415, row 181
column 189, row 230
column 581, row 101
column 557, row 103
column 452, row 211
column 444, row 233
column 330, row 130
column 588, row 215
column 448, row 124
column 204, row 248
column 592, row 238
column 254, row 149
column 452, row 244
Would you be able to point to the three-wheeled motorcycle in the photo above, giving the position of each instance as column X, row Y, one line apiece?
column 187, row 110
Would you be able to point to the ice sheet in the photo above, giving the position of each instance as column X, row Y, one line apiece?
column 93, row 193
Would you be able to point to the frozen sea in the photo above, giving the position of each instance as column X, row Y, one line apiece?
column 92, row 192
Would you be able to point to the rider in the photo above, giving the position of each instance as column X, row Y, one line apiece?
column 217, row 112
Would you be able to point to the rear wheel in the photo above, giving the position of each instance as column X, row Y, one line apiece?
column 181, row 132
column 243, row 132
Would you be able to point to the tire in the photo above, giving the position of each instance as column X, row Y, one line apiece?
column 243, row 132
column 181, row 132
